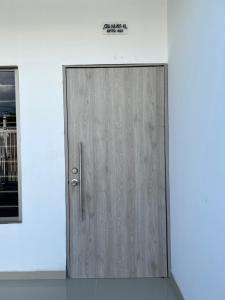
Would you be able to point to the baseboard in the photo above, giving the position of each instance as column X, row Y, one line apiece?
column 176, row 287
column 32, row 275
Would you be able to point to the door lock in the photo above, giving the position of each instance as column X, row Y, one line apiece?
column 75, row 171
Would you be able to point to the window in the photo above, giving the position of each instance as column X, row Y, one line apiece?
column 9, row 196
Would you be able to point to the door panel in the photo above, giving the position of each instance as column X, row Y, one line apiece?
column 118, row 116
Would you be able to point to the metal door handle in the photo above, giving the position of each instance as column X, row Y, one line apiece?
column 75, row 182
column 81, row 180
column 78, row 181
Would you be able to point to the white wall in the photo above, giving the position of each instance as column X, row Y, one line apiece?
column 197, row 146
column 39, row 36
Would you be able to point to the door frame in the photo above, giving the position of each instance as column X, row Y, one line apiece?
column 66, row 149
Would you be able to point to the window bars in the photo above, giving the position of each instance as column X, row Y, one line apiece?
column 9, row 204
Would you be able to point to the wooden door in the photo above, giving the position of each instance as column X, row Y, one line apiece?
column 116, row 172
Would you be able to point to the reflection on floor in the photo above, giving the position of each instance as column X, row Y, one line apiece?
column 85, row 289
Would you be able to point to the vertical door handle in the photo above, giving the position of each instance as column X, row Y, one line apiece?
column 81, row 181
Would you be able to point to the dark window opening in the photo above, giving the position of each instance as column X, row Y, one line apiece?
column 9, row 203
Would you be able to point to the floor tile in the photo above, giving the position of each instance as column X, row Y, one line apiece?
column 89, row 289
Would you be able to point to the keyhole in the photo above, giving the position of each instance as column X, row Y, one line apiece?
column 75, row 171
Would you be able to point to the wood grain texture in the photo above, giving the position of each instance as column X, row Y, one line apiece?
column 118, row 115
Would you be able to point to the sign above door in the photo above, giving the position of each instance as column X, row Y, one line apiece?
column 112, row 28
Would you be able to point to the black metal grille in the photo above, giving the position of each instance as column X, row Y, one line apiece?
column 9, row 206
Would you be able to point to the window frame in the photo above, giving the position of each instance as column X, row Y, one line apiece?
column 9, row 220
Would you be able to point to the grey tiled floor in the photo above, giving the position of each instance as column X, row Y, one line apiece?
column 85, row 289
